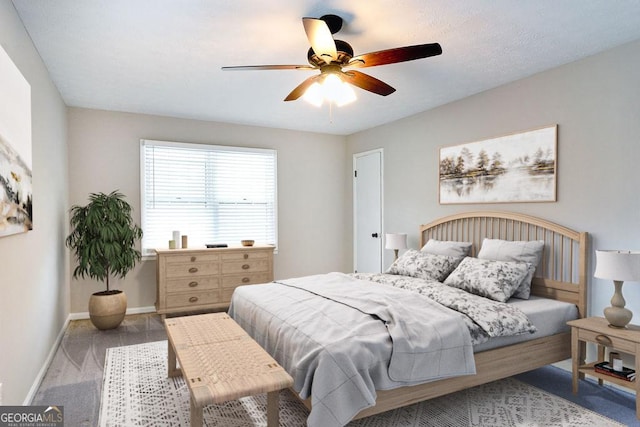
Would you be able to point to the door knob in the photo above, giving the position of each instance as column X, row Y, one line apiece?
column 374, row 235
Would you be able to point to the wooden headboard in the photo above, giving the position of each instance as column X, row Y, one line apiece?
column 562, row 273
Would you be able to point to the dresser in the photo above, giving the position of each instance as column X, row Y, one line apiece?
column 201, row 279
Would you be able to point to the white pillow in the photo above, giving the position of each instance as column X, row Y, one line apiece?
column 497, row 280
column 423, row 265
column 518, row 251
column 448, row 248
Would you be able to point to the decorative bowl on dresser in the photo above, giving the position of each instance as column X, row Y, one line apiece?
column 189, row 280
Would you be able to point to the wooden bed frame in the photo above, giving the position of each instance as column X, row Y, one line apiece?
column 561, row 275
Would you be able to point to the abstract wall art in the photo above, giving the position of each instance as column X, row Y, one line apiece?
column 515, row 168
column 16, row 193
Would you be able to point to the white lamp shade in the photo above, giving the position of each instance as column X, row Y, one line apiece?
column 618, row 265
column 395, row 241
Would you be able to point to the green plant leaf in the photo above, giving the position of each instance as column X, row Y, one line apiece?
column 103, row 236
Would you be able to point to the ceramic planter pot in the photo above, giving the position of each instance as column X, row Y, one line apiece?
column 107, row 309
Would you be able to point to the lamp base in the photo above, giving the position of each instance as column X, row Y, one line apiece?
column 618, row 317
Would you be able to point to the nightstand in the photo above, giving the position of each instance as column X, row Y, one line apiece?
column 597, row 330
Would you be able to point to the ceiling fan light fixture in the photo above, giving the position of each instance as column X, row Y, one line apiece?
column 347, row 96
column 332, row 89
column 337, row 91
column 313, row 95
column 330, row 56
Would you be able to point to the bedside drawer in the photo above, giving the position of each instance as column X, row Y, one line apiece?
column 192, row 269
column 245, row 266
column 186, row 258
column 193, row 299
column 190, row 284
column 607, row 340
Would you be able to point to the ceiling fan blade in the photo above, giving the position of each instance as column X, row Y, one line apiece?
column 366, row 82
column 392, row 56
column 268, row 67
column 320, row 39
column 301, row 88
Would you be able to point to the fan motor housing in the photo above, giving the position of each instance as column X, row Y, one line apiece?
column 345, row 53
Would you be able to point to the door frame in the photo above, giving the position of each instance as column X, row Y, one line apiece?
column 354, row 204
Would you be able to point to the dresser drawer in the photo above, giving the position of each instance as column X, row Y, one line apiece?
column 192, row 299
column 192, row 269
column 231, row 267
column 607, row 340
column 245, row 279
column 190, row 284
column 194, row 257
column 245, row 255
column 230, row 283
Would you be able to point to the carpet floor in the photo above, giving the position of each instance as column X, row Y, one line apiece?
column 75, row 376
column 137, row 392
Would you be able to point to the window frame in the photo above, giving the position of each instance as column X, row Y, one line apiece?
column 148, row 253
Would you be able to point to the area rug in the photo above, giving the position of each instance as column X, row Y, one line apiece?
column 137, row 392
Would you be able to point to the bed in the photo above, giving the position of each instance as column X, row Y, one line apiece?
column 560, row 276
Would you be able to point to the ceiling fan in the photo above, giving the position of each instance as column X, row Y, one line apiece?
column 335, row 58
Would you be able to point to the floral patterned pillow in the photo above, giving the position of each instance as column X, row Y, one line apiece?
column 423, row 265
column 519, row 251
column 497, row 280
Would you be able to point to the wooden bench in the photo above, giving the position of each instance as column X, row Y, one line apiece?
column 221, row 362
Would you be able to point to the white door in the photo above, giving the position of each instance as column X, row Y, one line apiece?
column 367, row 211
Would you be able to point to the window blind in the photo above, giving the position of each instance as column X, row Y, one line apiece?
column 212, row 194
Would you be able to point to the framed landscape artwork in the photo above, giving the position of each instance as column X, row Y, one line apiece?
column 508, row 169
column 16, row 195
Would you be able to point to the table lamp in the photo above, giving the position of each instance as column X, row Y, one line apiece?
column 396, row 241
column 618, row 266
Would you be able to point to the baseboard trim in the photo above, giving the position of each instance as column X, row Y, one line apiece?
column 136, row 310
column 47, row 362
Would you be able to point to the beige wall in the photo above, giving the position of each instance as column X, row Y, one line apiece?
column 34, row 292
column 104, row 156
column 596, row 104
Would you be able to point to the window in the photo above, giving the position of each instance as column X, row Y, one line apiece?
column 212, row 194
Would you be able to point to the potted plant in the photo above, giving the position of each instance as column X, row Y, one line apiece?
column 103, row 237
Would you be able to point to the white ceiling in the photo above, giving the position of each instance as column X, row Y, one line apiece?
column 164, row 56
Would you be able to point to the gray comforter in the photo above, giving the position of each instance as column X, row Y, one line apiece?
column 342, row 338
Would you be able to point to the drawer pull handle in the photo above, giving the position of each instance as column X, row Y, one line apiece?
column 246, row 266
column 193, row 284
column 193, row 270
column 603, row 339
column 245, row 280
column 193, row 259
column 193, row 299
column 246, row 256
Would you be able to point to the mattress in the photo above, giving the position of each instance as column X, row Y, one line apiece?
column 549, row 316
